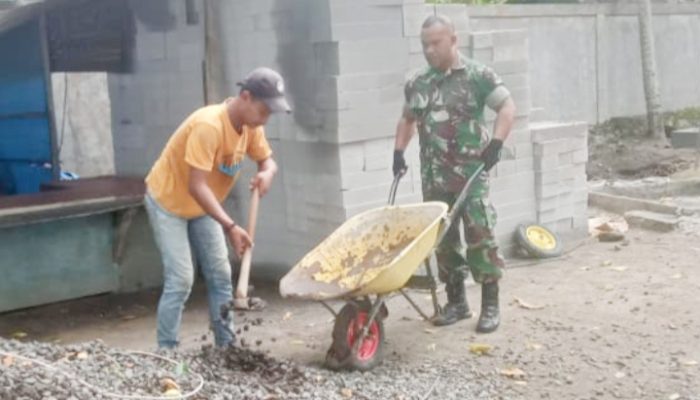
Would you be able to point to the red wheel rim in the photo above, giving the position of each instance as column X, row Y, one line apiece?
column 370, row 344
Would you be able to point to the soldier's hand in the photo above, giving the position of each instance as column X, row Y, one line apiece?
column 400, row 166
column 492, row 153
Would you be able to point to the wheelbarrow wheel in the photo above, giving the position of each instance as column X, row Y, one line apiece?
column 538, row 241
column 346, row 331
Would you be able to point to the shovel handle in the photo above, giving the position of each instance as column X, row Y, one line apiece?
column 244, row 274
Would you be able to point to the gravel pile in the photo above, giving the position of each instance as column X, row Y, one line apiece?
column 89, row 370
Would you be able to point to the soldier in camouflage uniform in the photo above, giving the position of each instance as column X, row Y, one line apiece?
column 446, row 101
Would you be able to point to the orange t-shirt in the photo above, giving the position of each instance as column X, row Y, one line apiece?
column 206, row 140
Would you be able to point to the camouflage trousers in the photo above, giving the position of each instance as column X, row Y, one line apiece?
column 482, row 256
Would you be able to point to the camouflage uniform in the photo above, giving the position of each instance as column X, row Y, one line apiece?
column 449, row 110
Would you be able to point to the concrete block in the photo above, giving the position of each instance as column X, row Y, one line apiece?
column 550, row 148
column 344, row 13
column 386, row 55
column 543, row 131
column 505, row 168
column 509, row 52
column 515, row 81
column 511, row 66
column 366, row 30
column 685, row 138
column 521, row 136
column 579, row 156
column 546, row 163
column 413, row 17
column 651, row 221
column 369, row 81
column 524, row 164
column 481, row 40
column 565, row 159
column 523, row 150
column 510, row 37
column 483, row 55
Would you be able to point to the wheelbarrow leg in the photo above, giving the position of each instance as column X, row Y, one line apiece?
column 433, row 289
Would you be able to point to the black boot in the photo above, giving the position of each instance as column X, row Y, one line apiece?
column 490, row 318
column 456, row 307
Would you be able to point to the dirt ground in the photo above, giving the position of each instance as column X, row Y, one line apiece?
column 620, row 149
column 605, row 321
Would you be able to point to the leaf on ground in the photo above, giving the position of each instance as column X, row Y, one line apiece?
column 619, row 268
column 527, row 306
column 513, row 373
column 606, row 263
column 181, row 368
column 674, row 396
column 432, row 346
column 287, row 316
column 8, row 361
column 19, row 335
column 172, row 393
column 620, row 374
column 677, row 276
column 346, row 393
column 534, row 346
column 689, row 363
column 428, row 330
column 298, row 342
column 480, row 349
column 521, row 383
column 168, row 384
column 82, row 355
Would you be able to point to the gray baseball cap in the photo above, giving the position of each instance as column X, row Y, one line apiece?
column 267, row 86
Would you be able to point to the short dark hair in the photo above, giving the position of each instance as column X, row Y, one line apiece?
column 438, row 19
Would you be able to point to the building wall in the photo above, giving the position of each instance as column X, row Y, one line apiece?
column 345, row 64
column 585, row 59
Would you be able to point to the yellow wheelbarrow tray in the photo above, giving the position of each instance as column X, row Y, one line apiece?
column 374, row 253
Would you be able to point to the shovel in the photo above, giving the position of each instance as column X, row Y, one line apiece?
column 241, row 301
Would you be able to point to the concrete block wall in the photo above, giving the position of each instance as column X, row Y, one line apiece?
column 561, row 191
column 345, row 64
column 164, row 87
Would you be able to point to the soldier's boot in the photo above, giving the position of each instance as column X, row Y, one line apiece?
column 490, row 318
column 456, row 308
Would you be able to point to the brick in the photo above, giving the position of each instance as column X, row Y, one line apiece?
column 565, row 159
column 413, row 17
column 542, row 131
column 546, row 163
column 579, row 156
column 481, row 40
column 509, row 52
column 369, row 81
column 483, row 55
column 550, row 148
column 364, row 31
column 515, row 81
column 521, row 136
column 523, row 150
column 511, row 66
column 509, row 37
column 344, row 13
column 505, row 168
column 457, row 13
column 524, row 164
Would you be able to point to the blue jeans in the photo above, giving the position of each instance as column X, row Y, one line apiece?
column 177, row 239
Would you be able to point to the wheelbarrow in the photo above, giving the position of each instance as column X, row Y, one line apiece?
column 369, row 257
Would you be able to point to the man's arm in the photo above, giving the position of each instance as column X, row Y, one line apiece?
column 405, row 130
column 504, row 120
column 202, row 193
column 267, row 169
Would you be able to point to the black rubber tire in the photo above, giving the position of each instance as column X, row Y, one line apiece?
column 341, row 355
column 531, row 248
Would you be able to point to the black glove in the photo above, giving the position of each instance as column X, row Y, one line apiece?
column 492, row 153
column 399, row 163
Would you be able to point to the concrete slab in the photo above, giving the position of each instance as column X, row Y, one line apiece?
column 651, row 221
column 685, row 138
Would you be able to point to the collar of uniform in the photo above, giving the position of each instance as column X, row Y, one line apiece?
column 460, row 64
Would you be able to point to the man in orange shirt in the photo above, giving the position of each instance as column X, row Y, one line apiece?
column 185, row 191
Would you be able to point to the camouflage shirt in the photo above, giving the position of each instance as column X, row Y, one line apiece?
column 449, row 110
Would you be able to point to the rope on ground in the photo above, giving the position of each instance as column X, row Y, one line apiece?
column 103, row 392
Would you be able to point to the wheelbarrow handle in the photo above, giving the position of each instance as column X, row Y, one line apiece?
column 394, row 187
column 458, row 205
